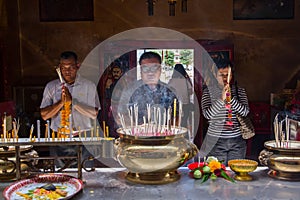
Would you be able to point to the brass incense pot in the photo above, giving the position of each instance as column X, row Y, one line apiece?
column 282, row 160
column 242, row 167
column 154, row 159
column 8, row 161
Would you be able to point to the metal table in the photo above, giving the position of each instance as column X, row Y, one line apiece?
column 109, row 183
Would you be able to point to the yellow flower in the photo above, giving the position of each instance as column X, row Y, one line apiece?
column 213, row 165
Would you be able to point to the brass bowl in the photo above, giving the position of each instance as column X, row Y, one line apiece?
column 242, row 167
column 283, row 162
column 153, row 160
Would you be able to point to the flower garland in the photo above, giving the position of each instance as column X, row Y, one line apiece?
column 210, row 168
column 228, row 107
column 65, row 119
column 228, row 99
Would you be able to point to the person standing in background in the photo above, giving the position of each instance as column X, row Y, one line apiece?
column 183, row 86
column 116, row 73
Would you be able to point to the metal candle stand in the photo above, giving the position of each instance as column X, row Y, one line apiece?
column 15, row 158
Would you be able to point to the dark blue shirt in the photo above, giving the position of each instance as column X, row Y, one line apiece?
column 162, row 96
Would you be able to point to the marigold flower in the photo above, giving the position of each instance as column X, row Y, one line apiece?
column 213, row 165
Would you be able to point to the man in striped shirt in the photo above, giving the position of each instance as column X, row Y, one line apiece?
column 221, row 102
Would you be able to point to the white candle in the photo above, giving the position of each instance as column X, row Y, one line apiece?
column 149, row 112
column 136, row 114
column 167, row 119
column 144, row 119
column 275, row 132
column 48, row 127
column 287, row 128
column 38, row 126
column 159, row 119
column 130, row 114
column 180, row 114
column 154, row 116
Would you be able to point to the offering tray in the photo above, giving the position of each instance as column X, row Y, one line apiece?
column 21, row 189
column 283, row 161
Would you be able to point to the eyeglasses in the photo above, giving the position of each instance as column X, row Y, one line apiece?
column 150, row 68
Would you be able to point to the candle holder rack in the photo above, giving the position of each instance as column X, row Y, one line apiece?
column 18, row 159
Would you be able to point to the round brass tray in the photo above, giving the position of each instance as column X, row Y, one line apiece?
column 154, row 178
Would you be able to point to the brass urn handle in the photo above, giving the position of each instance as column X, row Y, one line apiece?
column 264, row 157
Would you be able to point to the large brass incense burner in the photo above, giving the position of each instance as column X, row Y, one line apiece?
column 283, row 161
column 154, row 159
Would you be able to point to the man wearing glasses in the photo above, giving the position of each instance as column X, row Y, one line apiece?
column 152, row 91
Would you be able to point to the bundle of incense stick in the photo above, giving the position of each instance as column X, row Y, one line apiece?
column 157, row 122
column 59, row 74
column 149, row 130
column 282, row 135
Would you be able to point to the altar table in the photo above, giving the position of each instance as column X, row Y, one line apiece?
column 109, row 183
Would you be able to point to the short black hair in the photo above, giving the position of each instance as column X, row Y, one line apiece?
column 68, row 54
column 149, row 55
column 180, row 69
column 223, row 63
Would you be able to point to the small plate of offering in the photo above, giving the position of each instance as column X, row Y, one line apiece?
column 45, row 186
